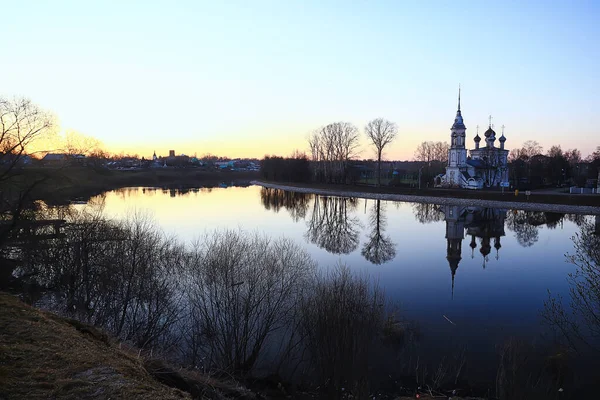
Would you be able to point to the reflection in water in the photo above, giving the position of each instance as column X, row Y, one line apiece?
column 578, row 322
column 296, row 203
column 335, row 225
column 526, row 233
column 426, row 212
column 379, row 248
column 525, row 224
column 483, row 223
column 331, row 225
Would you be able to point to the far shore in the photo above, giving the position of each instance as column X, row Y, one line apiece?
column 560, row 203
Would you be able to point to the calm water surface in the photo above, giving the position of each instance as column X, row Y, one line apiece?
column 486, row 270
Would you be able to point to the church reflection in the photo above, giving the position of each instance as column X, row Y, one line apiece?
column 484, row 225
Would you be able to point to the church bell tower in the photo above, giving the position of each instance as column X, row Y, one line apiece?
column 457, row 154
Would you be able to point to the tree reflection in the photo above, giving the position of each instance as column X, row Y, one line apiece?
column 525, row 224
column 426, row 212
column 330, row 227
column 579, row 323
column 379, row 248
column 519, row 222
column 296, row 203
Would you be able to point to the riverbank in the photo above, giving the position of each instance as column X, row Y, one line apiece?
column 43, row 355
column 59, row 186
column 560, row 203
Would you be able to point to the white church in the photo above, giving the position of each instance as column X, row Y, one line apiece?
column 485, row 167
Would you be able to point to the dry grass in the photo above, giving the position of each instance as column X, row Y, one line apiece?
column 44, row 356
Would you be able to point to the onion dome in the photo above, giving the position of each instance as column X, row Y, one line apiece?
column 485, row 247
column 502, row 139
column 490, row 132
column 497, row 244
column 477, row 139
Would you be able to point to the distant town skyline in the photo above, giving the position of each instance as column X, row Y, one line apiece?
column 245, row 79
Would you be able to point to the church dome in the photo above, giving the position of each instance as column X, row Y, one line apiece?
column 477, row 139
column 502, row 138
column 490, row 132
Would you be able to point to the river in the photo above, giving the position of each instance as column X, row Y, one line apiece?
column 466, row 276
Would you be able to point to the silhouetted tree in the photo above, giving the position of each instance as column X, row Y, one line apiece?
column 332, row 147
column 290, row 169
column 22, row 124
column 245, row 290
column 342, row 319
column 380, row 132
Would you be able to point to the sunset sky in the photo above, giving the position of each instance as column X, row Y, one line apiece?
column 249, row 78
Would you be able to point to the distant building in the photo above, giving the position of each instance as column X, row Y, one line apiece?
column 55, row 159
column 486, row 167
column 176, row 161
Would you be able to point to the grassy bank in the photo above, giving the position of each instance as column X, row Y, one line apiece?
column 44, row 356
column 61, row 185
column 494, row 195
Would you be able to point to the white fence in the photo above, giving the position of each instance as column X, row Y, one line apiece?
column 578, row 190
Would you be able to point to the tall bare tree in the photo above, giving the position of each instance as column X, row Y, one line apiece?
column 76, row 143
column 432, row 151
column 332, row 147
column 21, row 124
column 380, row 132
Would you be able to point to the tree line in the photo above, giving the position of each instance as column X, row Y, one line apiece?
column 333, row 149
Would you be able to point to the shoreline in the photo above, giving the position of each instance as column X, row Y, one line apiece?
column 527, row 206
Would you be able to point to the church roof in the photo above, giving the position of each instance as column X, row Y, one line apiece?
column 502, row 138
column 477, row 163
column 458, row 121
column 490, row 132
column 477, row 138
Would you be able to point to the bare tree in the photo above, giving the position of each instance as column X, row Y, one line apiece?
column 579, row 321
column 440, row 152
column 342, row 319
column 424, row 152
column 529, row 149
column 76, row 143
column 432, row 151
column 245, row 289
column 332, row 147
column 380, row 132
column 573, row 156
column 21, row 124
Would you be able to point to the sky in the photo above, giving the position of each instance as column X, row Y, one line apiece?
column 249, row 78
